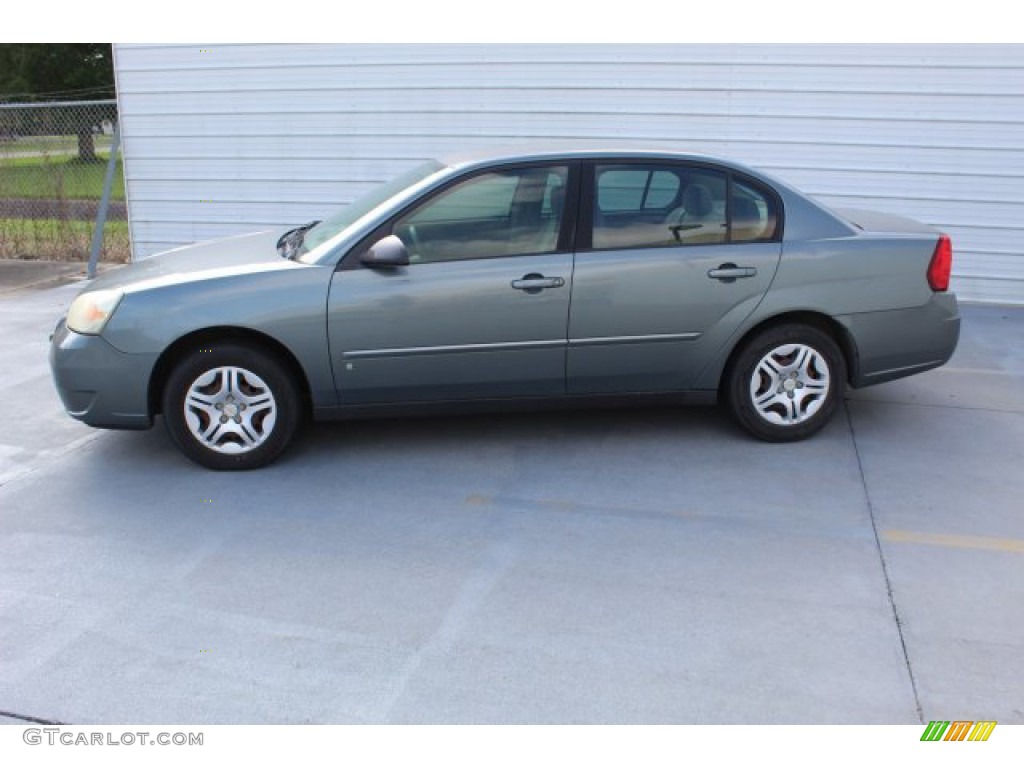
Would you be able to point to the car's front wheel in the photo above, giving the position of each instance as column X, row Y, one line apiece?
column 231, row 406
column 786, row 382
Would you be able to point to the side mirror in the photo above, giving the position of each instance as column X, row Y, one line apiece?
column 387, row 252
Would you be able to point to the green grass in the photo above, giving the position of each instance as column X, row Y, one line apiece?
column 61, row 144
column 57, row 177
column 55, row 173
column 59, row 239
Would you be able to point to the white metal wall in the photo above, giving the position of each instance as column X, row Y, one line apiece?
column 220, row 140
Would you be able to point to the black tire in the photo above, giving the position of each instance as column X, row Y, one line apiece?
column 776, row 410
column 252, row 433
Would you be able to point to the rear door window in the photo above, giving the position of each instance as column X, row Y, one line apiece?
column 640, row 206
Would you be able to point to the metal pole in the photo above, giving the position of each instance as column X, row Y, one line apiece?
column 101, row 214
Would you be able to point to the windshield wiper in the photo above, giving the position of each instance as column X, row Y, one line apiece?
column 289, row 243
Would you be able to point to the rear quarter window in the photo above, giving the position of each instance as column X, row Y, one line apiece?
column 754, row 215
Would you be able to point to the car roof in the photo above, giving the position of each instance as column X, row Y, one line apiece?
column 530, row 152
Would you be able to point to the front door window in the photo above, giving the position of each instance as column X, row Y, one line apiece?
column 506, row 213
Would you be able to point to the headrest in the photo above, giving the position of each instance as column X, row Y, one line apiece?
column 697, row 200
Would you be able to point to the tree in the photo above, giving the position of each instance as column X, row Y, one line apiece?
column 60, row 72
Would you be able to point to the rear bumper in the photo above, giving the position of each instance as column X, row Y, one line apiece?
column 98, row 384
column 896, row 343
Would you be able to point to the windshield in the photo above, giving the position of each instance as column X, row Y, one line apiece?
column 362, row 205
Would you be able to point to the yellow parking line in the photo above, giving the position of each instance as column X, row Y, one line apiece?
column 951, row 540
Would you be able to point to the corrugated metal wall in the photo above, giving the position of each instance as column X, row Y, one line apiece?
column 224, row 139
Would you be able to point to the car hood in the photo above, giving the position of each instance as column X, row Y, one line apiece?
column 243, row 254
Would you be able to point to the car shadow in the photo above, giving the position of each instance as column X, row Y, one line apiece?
column 467, row 430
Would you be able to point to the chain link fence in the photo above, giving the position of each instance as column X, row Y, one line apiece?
column 54, row 160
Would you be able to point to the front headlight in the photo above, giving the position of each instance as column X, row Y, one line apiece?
column 90, row 311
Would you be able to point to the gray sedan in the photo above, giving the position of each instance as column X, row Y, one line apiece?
column 539, row 278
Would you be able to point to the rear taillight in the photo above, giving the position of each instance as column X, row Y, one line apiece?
column 941, row 264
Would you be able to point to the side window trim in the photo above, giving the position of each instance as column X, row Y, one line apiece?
column 568, row 235
column 587, row 203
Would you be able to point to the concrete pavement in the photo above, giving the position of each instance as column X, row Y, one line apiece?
column 20, row 275
column 651, row 566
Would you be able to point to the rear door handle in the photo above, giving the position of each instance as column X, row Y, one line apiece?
column 535, row 283
column 728, row 272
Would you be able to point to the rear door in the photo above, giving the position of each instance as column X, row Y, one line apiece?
column 671, row 258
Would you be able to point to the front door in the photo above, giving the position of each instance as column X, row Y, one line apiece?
column 481, row 309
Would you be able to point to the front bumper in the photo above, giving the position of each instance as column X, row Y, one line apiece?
column 98, row 384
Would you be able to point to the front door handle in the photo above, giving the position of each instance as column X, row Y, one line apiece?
column 535, row 283
column 728, row 272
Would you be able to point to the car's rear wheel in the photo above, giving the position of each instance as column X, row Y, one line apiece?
column 231, row 406
column 786, row 382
